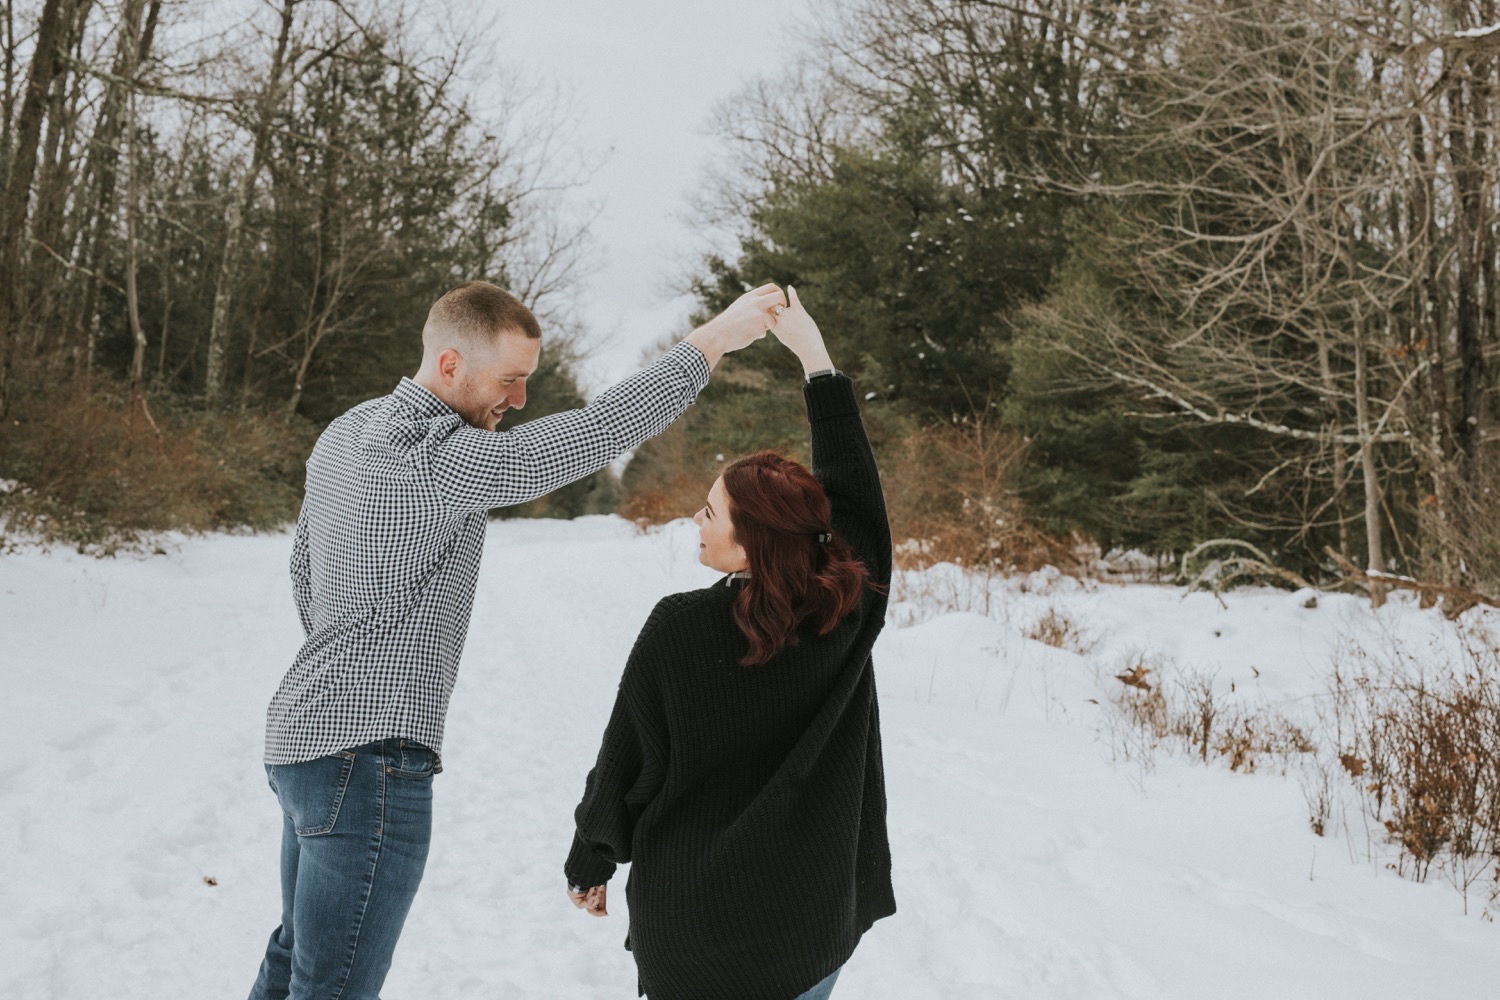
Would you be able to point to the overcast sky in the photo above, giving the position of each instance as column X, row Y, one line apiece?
column 644, row 77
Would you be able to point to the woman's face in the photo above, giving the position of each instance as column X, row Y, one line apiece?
column 717, row 548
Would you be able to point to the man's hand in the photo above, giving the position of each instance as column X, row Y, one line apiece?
column 747, row 319
column 592, row 900
column 801, row 336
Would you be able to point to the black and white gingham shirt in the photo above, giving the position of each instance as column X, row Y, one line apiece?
column 388, row 544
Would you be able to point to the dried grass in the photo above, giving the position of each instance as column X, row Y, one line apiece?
column 1185, row 713
column 1406, row 741
column 1057, row 629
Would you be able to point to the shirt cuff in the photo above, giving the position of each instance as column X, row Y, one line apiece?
column 692, row 362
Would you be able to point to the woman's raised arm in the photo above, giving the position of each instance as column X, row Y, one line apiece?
column 842, row 459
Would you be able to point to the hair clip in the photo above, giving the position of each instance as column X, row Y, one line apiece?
column 824, row 537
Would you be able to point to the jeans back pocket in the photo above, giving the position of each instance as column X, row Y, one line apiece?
column 312, row 791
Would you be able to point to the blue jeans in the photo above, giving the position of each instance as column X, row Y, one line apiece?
column 355, row 832
column 823, row 990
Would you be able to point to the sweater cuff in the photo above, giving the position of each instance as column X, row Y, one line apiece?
column 831, row 396
column 586, row 869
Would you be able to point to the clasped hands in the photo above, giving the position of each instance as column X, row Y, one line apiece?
column 754, row 314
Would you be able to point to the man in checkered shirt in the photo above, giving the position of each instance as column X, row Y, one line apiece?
column 384, row 562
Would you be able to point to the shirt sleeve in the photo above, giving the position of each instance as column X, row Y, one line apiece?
column 302, row 574
column 478, row 470
column 629, row 772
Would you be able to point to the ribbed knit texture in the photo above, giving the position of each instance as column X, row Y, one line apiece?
column 750, row 801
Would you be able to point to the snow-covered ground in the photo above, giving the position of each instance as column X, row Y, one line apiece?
column 1031, row 862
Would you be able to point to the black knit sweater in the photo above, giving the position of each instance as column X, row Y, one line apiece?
column 750, row 801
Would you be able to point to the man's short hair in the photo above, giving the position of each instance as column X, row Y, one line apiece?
column 477, row 313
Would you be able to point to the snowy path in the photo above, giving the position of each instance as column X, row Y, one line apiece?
column 1028, row 865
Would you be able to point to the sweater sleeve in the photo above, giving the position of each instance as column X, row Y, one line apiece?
column 629, row 771
column 845, row 465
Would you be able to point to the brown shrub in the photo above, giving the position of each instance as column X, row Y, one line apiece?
column 1419, row 736
column 675, row 484
column 948, row 493
column 98, row 469
column 947, row 486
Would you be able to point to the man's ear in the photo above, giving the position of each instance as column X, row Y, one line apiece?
column 448, row 364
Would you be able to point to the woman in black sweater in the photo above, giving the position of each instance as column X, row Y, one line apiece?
column 740, row 772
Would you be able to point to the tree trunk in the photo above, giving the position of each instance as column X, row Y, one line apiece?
column 130, row 29
column 1340, row 460
column 1431, row 444
column 1467, row 242
column 56, row 178
column 166, row 321
column 132, row 50
column 247, row 382
column 239, row 208
column 1376, row 562
column 46, row 64
column 132, row 256
column 298, row 382
column 1481, row 155
column 10, row 72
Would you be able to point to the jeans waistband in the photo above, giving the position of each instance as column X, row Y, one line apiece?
column 402, row 751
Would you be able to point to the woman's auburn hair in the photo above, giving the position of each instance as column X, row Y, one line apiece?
column 778, row 510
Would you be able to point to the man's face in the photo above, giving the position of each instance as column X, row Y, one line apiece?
column 486, row 383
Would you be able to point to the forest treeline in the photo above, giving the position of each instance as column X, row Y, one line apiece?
column 222, row 224
column 1144, row 274
column 1154, row 274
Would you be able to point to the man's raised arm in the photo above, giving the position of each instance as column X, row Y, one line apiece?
column 477, row 469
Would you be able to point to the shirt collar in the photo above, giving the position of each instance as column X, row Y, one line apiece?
column 422, row 400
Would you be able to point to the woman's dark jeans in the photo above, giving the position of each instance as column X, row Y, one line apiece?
column 823, row 990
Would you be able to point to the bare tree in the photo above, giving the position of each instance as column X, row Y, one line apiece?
column 96, row 199
column 46, row 65
column 130, row 33
column 138, row 205
column 1282, row 284
column 266, row 103
column 54, row 180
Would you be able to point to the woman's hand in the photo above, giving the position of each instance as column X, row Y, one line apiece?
column 796, row 329
column 745, row 321
column 592, row 900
